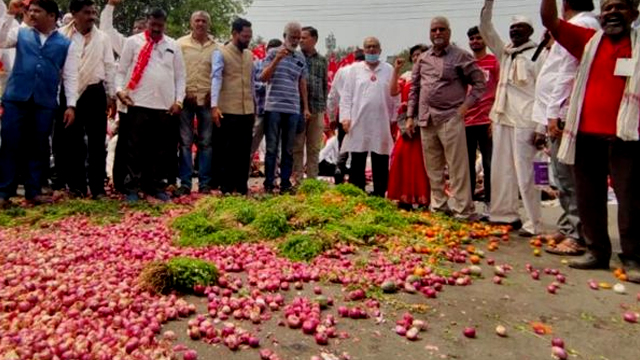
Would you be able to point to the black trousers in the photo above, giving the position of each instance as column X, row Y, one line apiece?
column 380, row 164
column 478, row 137
column 233, row 149
column 90, row 120
column 342, row 159
column 151, row 143
column 598, row 157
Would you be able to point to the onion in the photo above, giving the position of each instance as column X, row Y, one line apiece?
column 559, row 353
column 412, row 334
column 254, row 342
column 420, row 325
column 343, row 311
column 190, row 355
column 501, row 331
column 469, row 332
column 551, row 289
column 561, row 278
column 593, row 285
column 321, row 338
column 497, row 280
column 265, row 354
column 293, row 321
column 620, row 289
column 401, row 330
column 631, row 317
column 317, row 290
column 557, row 342
column 309, row 327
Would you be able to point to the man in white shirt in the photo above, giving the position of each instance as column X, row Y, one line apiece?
column 553, row 90
column 96, row 89
column 514, row 131
column 151, row 82
column 30, row 99
column 366, row 112
column 333, row 104
column 106, row 25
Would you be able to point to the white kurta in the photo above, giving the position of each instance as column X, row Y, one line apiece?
column 366, row 101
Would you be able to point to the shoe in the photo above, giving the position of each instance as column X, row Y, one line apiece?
column 182, row 191
column 205, row 190
column 589, row 262
column 133, row 198
column 163, row 196
column 632, row 270
column 39, row 200
column 405, row 206
column 526, row 234
column 515, row 226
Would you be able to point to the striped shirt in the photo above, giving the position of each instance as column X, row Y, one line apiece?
column 283, row 91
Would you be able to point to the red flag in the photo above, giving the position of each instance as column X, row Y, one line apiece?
column 259, row 52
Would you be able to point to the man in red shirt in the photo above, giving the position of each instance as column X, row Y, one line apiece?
column 477, row 121
column 593, row 130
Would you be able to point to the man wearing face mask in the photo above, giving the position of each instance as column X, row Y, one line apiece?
column 438, row 97
column 233, row 106
column 285, row 71
column 151, row 82
column 601, row 134
column 515, row 134
column 366, row 112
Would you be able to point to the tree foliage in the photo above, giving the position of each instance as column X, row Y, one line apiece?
column 222, row 13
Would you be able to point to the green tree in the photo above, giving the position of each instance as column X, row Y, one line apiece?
column 222, row 13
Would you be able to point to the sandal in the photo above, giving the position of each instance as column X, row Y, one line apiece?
column 567, row 247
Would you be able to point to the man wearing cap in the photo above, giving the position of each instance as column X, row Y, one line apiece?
column 514, row 131
column 601, row 134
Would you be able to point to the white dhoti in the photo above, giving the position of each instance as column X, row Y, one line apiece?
column 512, row 172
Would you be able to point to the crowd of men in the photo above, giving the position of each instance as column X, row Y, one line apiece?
column 579, row 88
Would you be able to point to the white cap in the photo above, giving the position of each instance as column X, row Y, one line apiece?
column 521, row 19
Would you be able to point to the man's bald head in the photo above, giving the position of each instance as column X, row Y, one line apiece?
column 370, row 40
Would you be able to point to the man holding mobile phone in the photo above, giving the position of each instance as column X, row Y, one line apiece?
column 285, row 72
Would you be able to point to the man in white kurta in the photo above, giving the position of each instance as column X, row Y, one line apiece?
column 513, row 127
column 553, row 90
column 366, row 112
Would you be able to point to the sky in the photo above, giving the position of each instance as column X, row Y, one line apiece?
column 398, row 24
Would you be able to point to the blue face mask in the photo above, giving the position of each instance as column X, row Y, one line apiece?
column 371, row 58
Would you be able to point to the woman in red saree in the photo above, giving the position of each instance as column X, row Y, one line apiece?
column 408, row 181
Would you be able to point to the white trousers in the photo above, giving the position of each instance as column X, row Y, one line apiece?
column 512, row 172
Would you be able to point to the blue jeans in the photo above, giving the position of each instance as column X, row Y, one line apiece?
column 280, row 126
column 205, row 152
column 26, row 128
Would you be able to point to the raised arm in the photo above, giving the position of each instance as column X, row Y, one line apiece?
column 549, row 15
column 488, row 31
column 8, row 32
column 394, row 88
column 106, row 25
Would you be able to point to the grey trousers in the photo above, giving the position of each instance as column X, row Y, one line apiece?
column 569, row 222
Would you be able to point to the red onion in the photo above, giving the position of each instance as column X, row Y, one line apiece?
column 343, row 311
column 559, row 353
column 293, row 321
column 321, row 338
column 190, row 355
column 401, row 330
column 631, row 317
column 254, row 342
column 557, row 342
column 469, row 332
